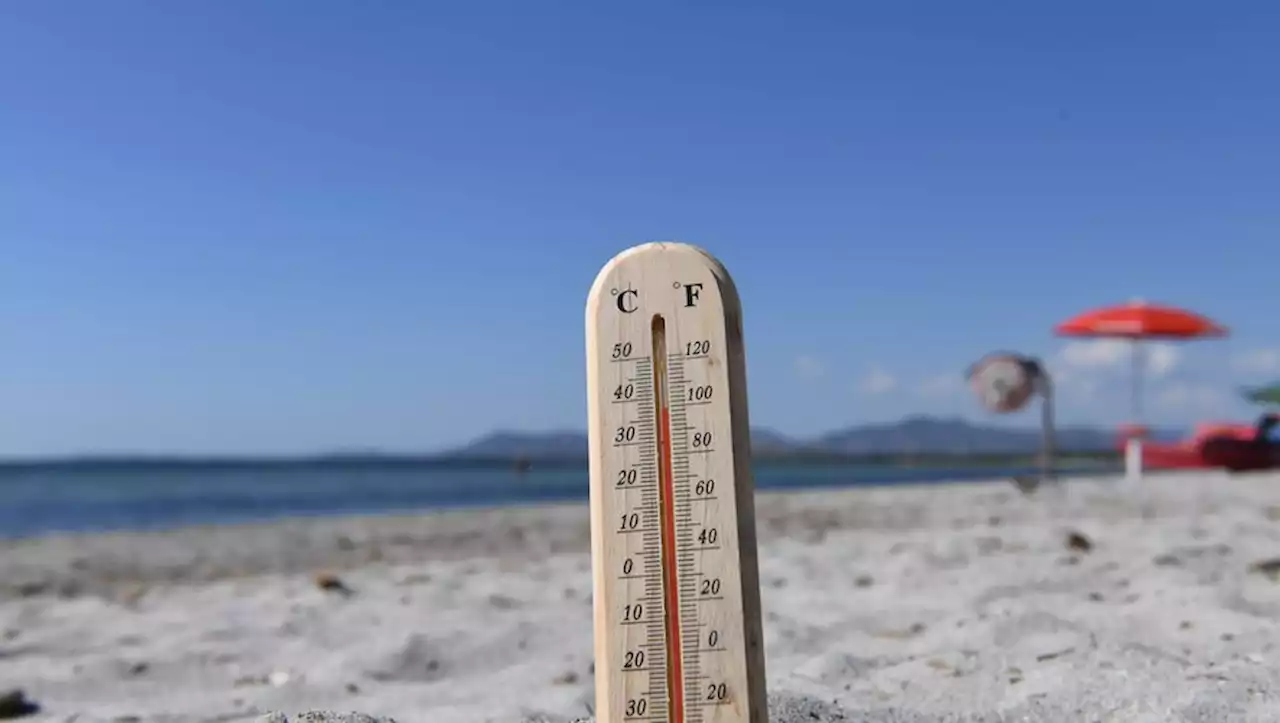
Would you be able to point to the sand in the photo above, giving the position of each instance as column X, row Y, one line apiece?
column 1099, row 600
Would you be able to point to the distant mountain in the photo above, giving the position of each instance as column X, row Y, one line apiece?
column 767, row 441
column 507, row 445
column 913, row 435
column 560, row 444
column 956, row 436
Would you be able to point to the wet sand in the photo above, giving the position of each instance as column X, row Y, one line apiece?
column 1096, row 600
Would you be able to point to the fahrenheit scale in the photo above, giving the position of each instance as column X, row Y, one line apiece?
column 677, row 591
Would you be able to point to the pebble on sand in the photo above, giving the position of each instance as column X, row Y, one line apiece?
column 16, row 704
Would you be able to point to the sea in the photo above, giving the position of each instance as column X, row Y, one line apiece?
column 45, row 499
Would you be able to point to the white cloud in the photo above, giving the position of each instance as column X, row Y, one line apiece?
column 1073, row 385
column 941, row 385
column 1161, row 359
column 877, row 381
column 1108, row 354
column 1100, row 354
column 809, row 367
column 1258, row 361
column 1190, row 397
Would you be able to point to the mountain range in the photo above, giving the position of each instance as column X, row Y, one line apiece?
column 913, row 435
column 919, row 435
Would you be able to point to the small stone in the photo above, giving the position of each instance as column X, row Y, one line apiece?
column 568, row 678
column 912, row 630
column 1044, row 657
column 15, row 704
column 863, row 581
column 32, row 589
column 329, row 582
column 1078, row 542
column 503, row 602
column 1269, row 568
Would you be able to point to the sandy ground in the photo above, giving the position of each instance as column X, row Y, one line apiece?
column 1099, row 600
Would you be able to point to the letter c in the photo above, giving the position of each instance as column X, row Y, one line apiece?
column 624, row 305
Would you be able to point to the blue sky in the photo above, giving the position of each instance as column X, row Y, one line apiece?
column 295, row 226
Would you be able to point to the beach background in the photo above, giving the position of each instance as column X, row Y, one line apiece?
column 1094, row 599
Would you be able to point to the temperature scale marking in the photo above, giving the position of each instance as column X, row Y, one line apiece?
column 677, row 591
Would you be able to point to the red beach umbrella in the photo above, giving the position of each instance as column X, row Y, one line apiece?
column 1137, row 321
column 1140, row 320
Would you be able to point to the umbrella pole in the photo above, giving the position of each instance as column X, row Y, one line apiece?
column 1133, row 445
column 1048, row 449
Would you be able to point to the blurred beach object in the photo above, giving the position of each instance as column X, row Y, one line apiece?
column 1263, row 395
column 1139, row 321
column 1219, row 445
column 1004, row 382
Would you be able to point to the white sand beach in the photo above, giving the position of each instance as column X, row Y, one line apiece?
column 1098, row 600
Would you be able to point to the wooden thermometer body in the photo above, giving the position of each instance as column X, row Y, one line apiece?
column 677, row 594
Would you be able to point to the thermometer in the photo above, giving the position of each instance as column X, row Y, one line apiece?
column 673, row 543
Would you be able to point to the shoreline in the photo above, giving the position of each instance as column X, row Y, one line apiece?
column 517, row 495
column 1094, row 599
column 71, row 563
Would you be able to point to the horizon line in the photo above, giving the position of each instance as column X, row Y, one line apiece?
column 459, row 451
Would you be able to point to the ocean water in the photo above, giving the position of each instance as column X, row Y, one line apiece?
column 36, row 500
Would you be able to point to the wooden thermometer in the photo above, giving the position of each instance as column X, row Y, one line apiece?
column 673, row 543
